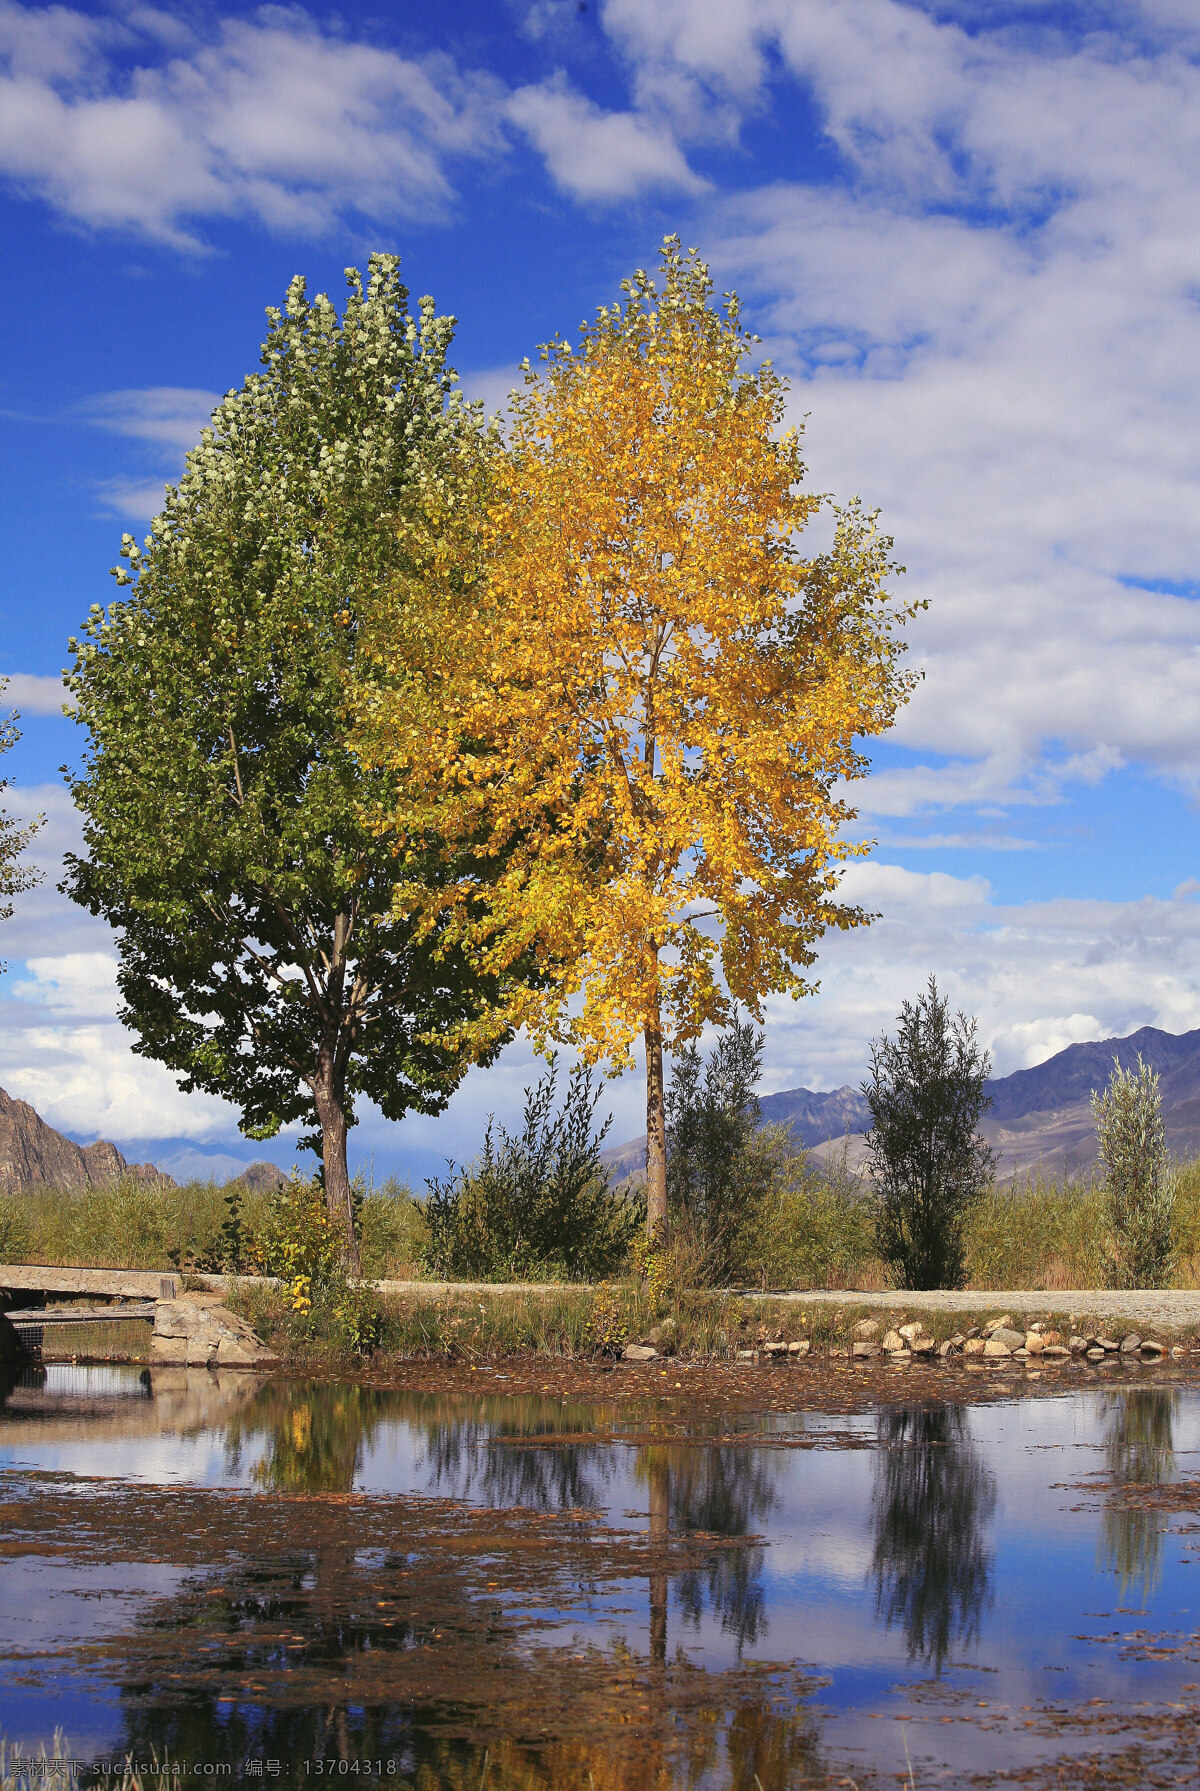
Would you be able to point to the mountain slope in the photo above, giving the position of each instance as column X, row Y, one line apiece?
column 1040, row 1116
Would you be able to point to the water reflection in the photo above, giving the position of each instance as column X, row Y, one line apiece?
column 933, row 1500
column 1139, row 1449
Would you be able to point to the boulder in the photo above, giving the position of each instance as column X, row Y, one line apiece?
column 1054, row 1351
column 199, row 1332
column 900, row 1356
column 743, row 1355
column 974, row 1346
column 911, row 1332
column 1107, row 1344
column 1035, row 1343
column 1077, row 1345
column 1052, row 1337
column 924, row 1346
column 1004, row 1323
column 1130, row 1343
column 664, row 1337
column 865, row 1349
column 1012, row 1340
column 893, row 1341
column 645, row 1352
column 867, row 1330
column 996, row 1347
column 775, row 1348
column 1095, row 1354
column 799, row 1349
column 1151, row 1348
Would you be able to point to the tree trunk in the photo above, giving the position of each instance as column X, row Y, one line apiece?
column 656, row 1131
column 330, row 1102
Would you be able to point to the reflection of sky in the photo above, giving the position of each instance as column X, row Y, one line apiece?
column 817, row 1515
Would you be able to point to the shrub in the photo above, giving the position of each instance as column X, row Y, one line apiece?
column 1138, row 1179
column 816, row 1228
column 927, row 1163
column 536, row 1204
column 14, row 1229
column 720, row 1163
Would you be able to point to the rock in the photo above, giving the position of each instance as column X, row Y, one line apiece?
column 663, row 1336
column 646, row 1352
column 260, row 1178
column 973, row 1332
column 196, row 1331
column 998, row 1324
column 775, row 1349
column 946, row 1349
column 799, row 1349
column 911, row 1332
column 1021, row 1355
column 1151, row 1348
column 900, row 1356
column 893, row 1341
column 995, row 1347
column 1051, row 1336
column 865, row 1350
column 743, row 1355
column 1055, row 1350
column 924, row 1346
column 1035, row 1343
column 1095, row 1355
column 1012, row 1340
column 974, row 1346
column 958, row 1339
column 1038, row 1326
column 1077, row 1345
column 1130, row 1343
column 839, row 1354
column 867, row 1330
column 1107, row 1343
column 1177, row 1350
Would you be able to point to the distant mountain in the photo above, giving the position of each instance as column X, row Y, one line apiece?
column 34, row 1155
column 1038, row 1116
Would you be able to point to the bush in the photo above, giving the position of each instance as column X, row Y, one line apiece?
column 393, row 1235
column 927, row 1163
column 720, row 1163
column 1138, row 1180
column 536, row 1205
column 816, row 1228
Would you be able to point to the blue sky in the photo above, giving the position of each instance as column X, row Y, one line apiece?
column 968, row 234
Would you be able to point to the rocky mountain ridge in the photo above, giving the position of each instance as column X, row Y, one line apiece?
column 1038, row 1117
column 34, row 1155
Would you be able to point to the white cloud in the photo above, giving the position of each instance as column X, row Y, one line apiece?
column 273, row 119
column 172, row 415
column 30, row 694
column 1040, row 975
column 595, row 155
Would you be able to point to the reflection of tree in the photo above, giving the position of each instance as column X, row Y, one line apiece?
column 491, row 1450
column 314, row 1435
column 933, row 1498
column 1140, row 1448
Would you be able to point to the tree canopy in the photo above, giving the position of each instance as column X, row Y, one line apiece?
column 927, row 1092
column 262, row 957
column 641, row 701
column 14, row 876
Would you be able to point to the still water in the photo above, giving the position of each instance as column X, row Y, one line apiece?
column 300, row 1581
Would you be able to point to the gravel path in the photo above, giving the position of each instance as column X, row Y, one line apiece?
column 1170, row 1308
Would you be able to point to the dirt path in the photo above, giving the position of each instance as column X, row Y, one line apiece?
column 1170, row 1308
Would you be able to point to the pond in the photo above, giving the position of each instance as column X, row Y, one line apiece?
column 244, row 1580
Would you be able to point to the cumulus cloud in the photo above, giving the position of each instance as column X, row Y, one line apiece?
column 273, row 118
column 1040, row 975
column 30, row 694
column 597, row 155
column 990, row 318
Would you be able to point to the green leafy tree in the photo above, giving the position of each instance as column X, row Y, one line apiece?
column 14, row 876
column 1139, row 1184
column 261, row 957
column 720, row 1160
column 926, row 1092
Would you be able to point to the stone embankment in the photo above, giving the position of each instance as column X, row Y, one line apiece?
column 197, row 1331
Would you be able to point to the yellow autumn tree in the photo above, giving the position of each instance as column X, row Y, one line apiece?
column 635, row 697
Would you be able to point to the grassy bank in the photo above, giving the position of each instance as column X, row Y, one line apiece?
column 811, row 1232
column 581, row 1323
